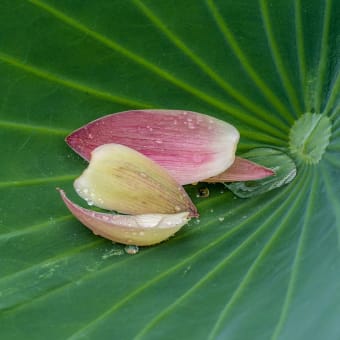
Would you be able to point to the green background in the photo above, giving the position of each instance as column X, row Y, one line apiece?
column 260, row 268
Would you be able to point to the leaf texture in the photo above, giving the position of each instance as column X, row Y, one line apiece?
column 266, row 267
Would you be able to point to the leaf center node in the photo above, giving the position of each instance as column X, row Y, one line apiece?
column 309, row 137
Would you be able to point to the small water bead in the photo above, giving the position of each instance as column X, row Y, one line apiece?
column 197, row 158
column 89, row 202
column 158, row 141
column 221, row 219
column 203, row 192
column 131, row 249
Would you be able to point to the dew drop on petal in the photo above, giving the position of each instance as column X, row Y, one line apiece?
column 197, row 158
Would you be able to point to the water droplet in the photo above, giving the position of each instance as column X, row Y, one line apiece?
column 221, row 219
column 85, row 190
column 197, row 221
column 197, row 158
column 143, row 174
column 178, row 208
column 131, row 249
column 203, row 192
column 211, row 210
column 158, row 141
column 89, row 202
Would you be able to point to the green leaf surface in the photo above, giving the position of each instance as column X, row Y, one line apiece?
column 267, row 267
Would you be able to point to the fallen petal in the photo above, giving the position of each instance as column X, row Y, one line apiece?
column 191, row 146
column 141, row 230
column 281, row 163
column 242, row 170
column 122, row 179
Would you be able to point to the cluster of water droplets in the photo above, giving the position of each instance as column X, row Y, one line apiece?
column 89, row 197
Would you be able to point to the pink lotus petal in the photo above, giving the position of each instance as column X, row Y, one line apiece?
column 242, row 170
column 141, row 230
column 190, row 145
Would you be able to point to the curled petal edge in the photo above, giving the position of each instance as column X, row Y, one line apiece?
column 242, row 170
column 140, row 230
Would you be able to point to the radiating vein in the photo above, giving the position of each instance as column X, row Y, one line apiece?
column 261, row 84
column 300, row 48
column 333, row 160
column 87, row 276
column 35, row 227
column 323, row 55
column 237, row 112
column 36, row 128
column 331, row 109
column 298, row 256
column 299, row 193
column 37, row 181
column 128, row 297
column 51, row 261
column 287, row 84
column 336, row 110
column 242, row 99
column 333, row 198
column 40, row 73
column 65, row 257
column 206, row 277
